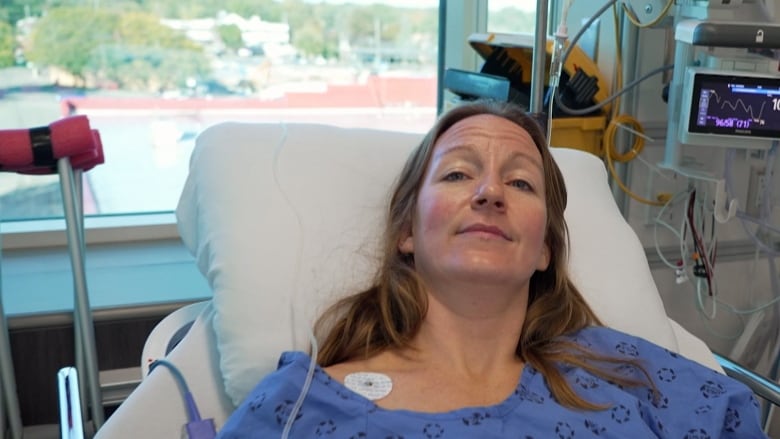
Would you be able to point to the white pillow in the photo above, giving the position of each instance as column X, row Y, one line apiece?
column 607, row 261
column 282, row 218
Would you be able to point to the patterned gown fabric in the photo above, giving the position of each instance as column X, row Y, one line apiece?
column 695, row 402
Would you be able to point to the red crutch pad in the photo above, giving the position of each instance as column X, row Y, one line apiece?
column 36, row 150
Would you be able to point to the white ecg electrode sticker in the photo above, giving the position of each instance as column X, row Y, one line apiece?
column 371, row 385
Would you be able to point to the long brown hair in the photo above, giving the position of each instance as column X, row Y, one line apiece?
column 389, row 314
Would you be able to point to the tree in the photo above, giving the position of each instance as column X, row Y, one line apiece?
column 132, row 49
column 66, row 37
column 230, row 34
column 309, row 39
column 14, row 10
column 7, row 45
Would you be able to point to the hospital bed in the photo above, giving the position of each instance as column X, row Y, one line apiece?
column 282, row 218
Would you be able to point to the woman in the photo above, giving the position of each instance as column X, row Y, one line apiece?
column 473, row 328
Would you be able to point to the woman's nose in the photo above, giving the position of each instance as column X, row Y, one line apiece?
column 490, row 195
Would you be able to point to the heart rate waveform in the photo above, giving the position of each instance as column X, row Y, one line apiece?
column 739, row 104
column 736, row 106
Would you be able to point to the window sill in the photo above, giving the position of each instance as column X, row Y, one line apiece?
column 133, row 264
column 99, row 230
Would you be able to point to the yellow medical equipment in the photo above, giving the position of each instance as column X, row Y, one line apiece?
column 581, row 86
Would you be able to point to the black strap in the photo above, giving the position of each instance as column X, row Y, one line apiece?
column 42, row 150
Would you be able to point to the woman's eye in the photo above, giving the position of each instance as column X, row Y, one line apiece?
column 521, row 184
column 454, row 176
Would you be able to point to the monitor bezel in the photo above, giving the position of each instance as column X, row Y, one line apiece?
column 700, row 79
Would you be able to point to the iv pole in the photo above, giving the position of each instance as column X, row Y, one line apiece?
column 539, row 58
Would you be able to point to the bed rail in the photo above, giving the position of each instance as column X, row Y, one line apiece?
column 760, row 385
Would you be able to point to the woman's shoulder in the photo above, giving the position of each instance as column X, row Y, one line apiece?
column 268, row 407
column 683, row 392
column 661, row 365
column 612, row 342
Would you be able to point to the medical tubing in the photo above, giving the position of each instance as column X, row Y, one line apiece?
column 663, row 198
column 629, row 86
column 299, row 254
column 738, row 311
column 559, row 48
column 189, row 401
column 700, row 303
column 652, row 23
column 609, row 145
column 744, row 217
column 305, row 389
column 585, row 27
column 760, row 245
column 698, row 243
column 577, row 36
column 556, row 65
column 556, row 68
column 769, row 171
column 624, row 90
column 676, row 233
column 697, row 283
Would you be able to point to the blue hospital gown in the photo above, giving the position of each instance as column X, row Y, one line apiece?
column 695, row 403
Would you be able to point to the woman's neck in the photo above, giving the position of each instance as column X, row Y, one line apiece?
column 471, row 335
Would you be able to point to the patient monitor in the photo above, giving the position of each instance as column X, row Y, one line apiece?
column 725, row 90
column 729, row 108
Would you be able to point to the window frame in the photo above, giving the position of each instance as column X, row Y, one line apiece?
column 462, row 18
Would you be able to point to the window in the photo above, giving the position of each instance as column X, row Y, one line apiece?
column 150, row 75
column 509, row 16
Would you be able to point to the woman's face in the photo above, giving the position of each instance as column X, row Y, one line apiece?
column 481, row 214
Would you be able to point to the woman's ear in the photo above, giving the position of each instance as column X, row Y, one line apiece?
column 544, row 258
column 406, row 243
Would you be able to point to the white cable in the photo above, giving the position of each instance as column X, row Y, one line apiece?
column 700, row 302
column 304, row 390
column 742, row 216
column 708, row 326
column 299, row 254
column 658, row 222
column 754, row 310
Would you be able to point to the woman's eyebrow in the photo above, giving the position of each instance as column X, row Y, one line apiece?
column 521, row 157
column 465, row 148
column 469, row 151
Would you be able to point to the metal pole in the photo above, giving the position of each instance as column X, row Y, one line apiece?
column 82, row 311
column 536, row 103
column 8, row 381
column 441, row 56
column 78, row 336
column 628, row 105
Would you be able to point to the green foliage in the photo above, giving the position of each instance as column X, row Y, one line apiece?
column 123, row 41
column 147, row 67
column 65, row 37
column 310, row 39
column 268, row 10
column 13, row 10
column 366, row 23
column 7, row 45
column 131, row 49
column 230, row 34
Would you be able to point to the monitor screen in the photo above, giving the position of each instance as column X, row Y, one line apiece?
column 735, row 105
